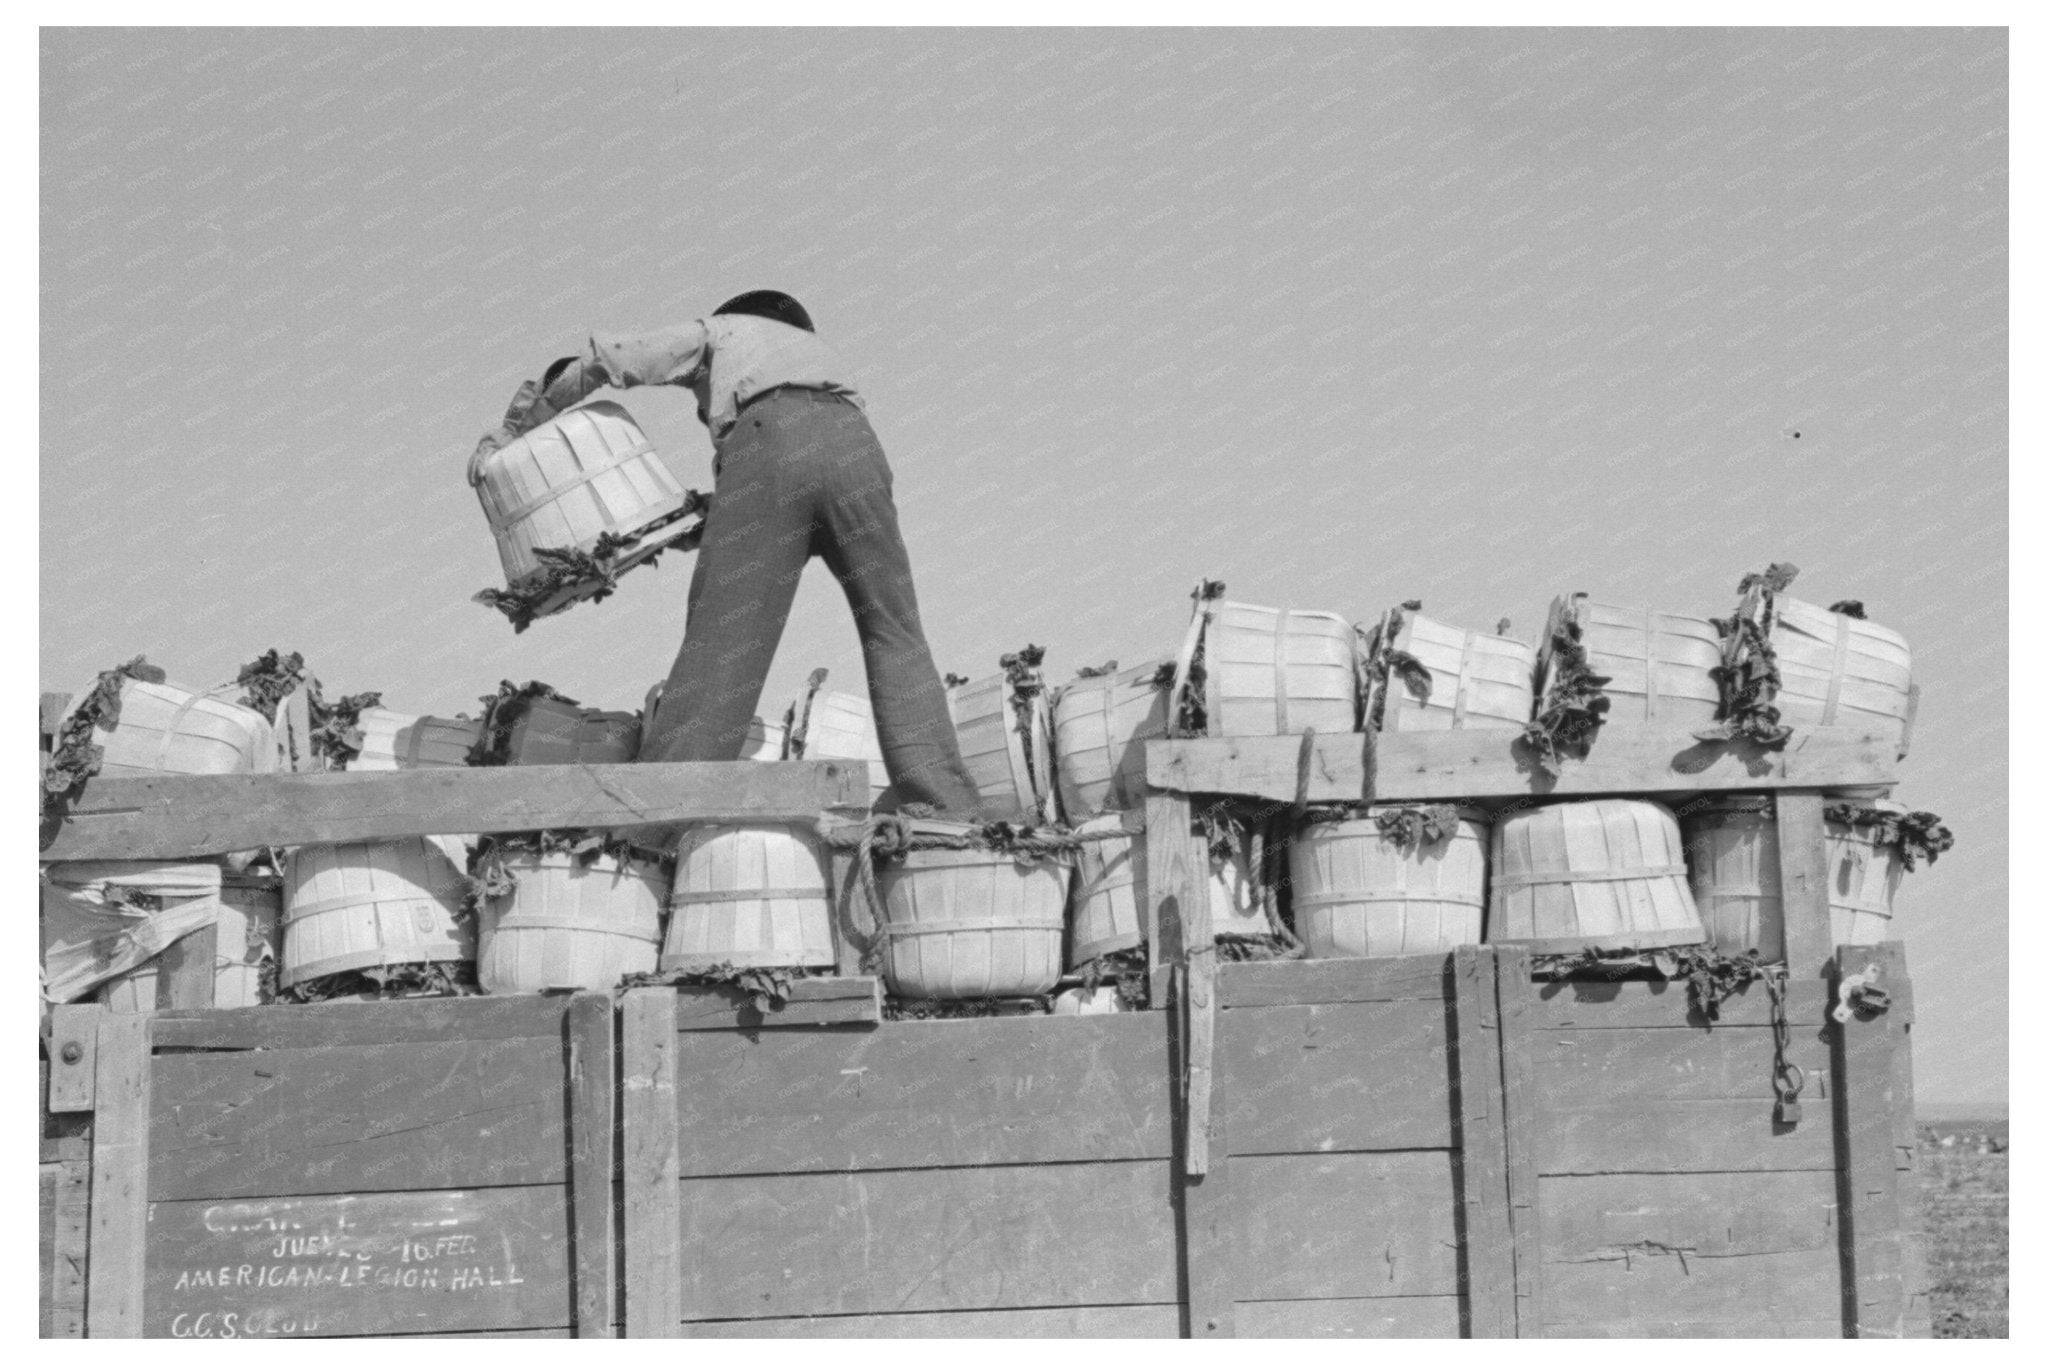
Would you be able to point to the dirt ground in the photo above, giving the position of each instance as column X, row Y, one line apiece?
column 1963, row 1175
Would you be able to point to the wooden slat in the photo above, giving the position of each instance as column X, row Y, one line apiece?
column 1176, row 874
column 1873, row 1229
column 1672, row 1327
column 1632, row 1133
column 1429, row 1316
column 1448, row 765
column 1716, row 1214
column 360, row 1265
column 651, row 1187
column 1333, row 981
column 1522, row 1115
column 74, row 1051
column 1351, row 1225
column 1803, row 883
column 120, row 1178
column 593, row 1138
column 1583, row 1005
column 1124, row 1321
column 364, row 1023
column 1605, row 1067
column 402, row 1116
column 66, row 1206
column 1485, row 1233
column 965, row 1092
column 813, row 1001
column 184, row 816
column 1663, row 1293
column 977, row 1238
column 1913, row 1245
column 185, row 971
column 1338, row 1078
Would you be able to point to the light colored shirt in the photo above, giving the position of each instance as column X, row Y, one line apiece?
column 725, row 359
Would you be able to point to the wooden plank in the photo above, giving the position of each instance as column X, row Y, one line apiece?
column 1631, row 1133
column 1803, row 882
column 46, row 1247
column 1484, row 1233
column 967, row 1092
column 814, row 1001
column 401, row 1116
column 1913, row 1245
column 1720, row 1213
column 1332, row 981
column 1581, row 1005
column 652, row 1187
column 120, row 1178
column 593, row 1169
column 1874, row 1299
column 176, row 816
column 1350, row 1225
column 1653, row 1292
column 360, row 1265
column 1338, row 1078
column 1669, row 1327
column 1596, row 1067
column 185, row 971
column 1522, row 1113
column 1176, row 874
column 1123, row 1321
column 1446, row 765
column 363, row 1022
column 67, row 1234
column 977, row 1238
column 1427, row 1316
column 74, row 1051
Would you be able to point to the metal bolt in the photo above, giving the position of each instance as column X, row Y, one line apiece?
column 72, row 1053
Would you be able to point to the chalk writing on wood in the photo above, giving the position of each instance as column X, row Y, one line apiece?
column 352, row 1264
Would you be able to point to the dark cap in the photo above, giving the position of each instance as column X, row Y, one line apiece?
column 767, row 303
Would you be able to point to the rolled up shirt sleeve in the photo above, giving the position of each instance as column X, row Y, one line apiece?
column 675, row 355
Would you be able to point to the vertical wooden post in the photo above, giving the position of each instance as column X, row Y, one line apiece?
column 120, row 1178
column 652, row 1195
column 1874, row 1298
column 1489, row 1248
column 185, row 971
column 1803, row 884
column 1519, row 1121
column 593, row 1134
column 1906, row 1159
column 1175, row 875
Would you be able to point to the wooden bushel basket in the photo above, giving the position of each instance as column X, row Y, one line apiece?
column 1834, row 669
column 837, row 725
column 1590, row 874
column 544, row 731
column 962, row 924
column 570, row 924
column 749, row 895
column 1268, row 671
column 587, row 472
column 392, row 740
column 1731, row 846
column 1359, row 893
column 1099, row 729
column 1006, row 742
column 1478, row 681
column 168, row 728
column 350, row 906
column 1660, row 665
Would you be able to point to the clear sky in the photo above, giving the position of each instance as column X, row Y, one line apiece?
column 1339, row 318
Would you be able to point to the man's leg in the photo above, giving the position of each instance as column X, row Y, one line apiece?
column 756, row 542
column 862, row 545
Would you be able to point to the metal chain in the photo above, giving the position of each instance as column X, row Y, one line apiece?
column 1787, row 1078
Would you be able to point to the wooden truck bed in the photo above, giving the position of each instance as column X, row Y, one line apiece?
column 1432, row 1146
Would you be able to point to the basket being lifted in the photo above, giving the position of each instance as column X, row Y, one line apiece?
column 574, row 503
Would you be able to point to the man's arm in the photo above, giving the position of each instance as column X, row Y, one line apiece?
column 674, row 356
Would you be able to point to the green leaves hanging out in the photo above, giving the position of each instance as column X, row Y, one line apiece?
column 1919, row 834
column 1381, row 662
column 1748, row 673
column 75, row 756
column 591, row 574
column 1413, row 827
column 1574, row 704
column 268, row 679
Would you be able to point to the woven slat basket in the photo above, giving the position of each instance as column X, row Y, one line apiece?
column 1590, row 874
